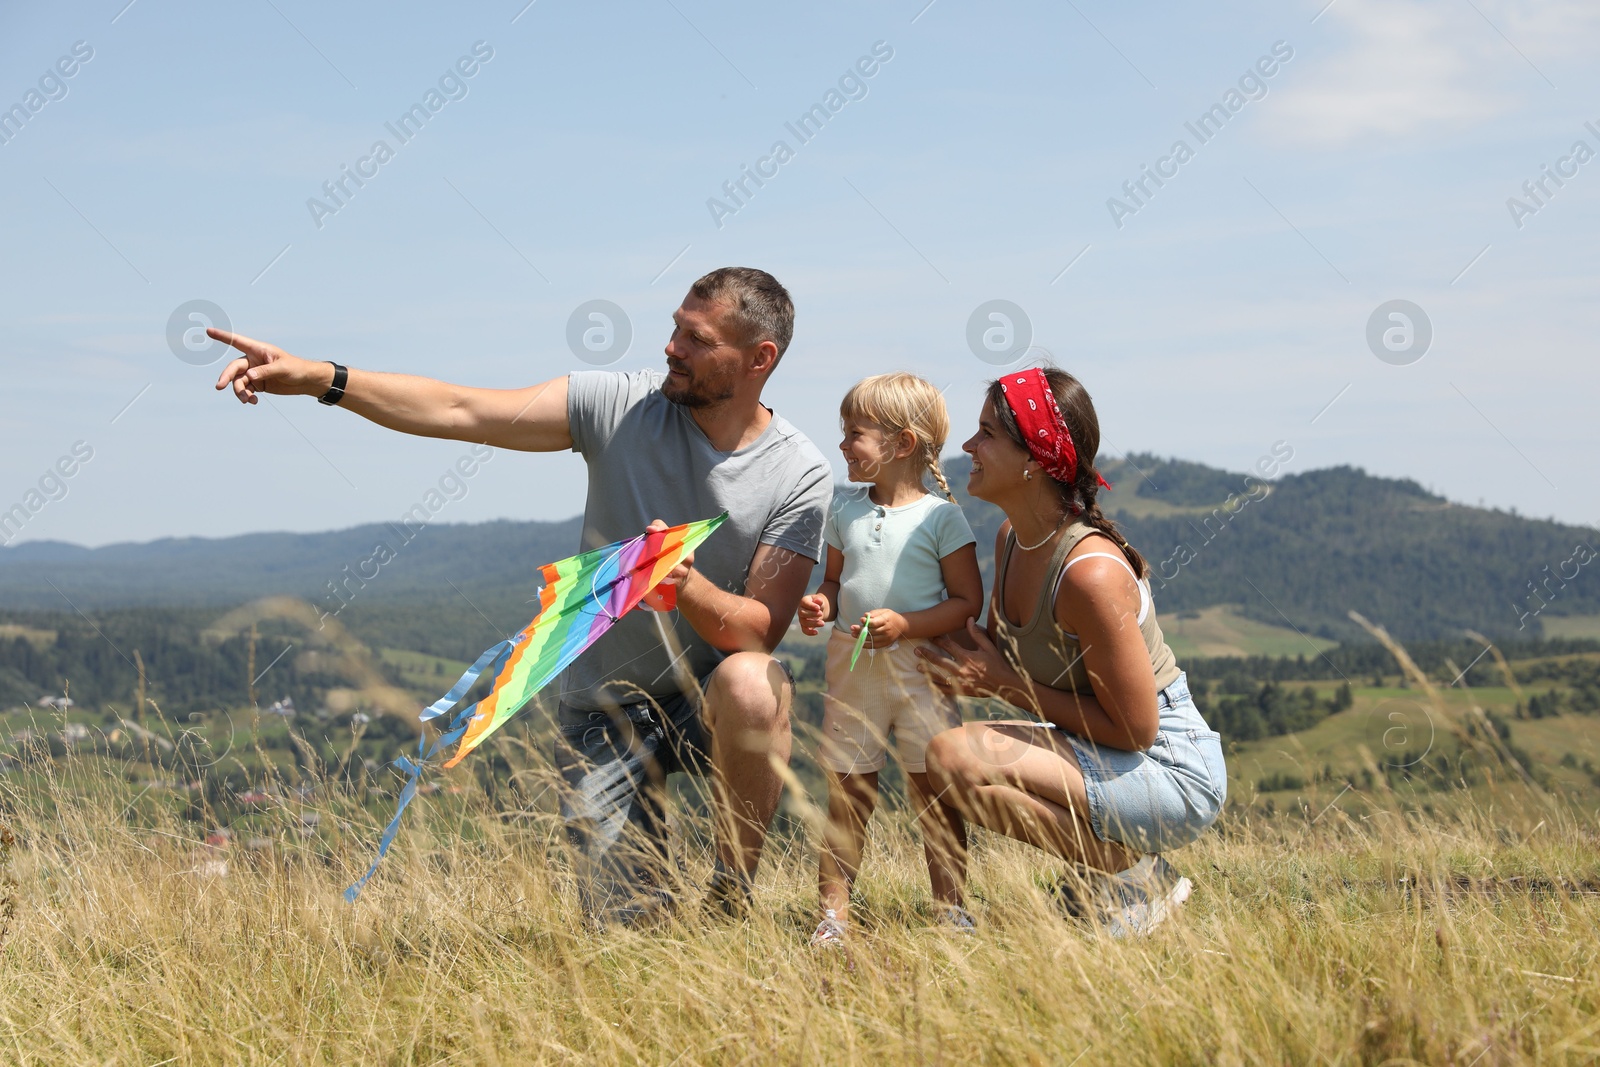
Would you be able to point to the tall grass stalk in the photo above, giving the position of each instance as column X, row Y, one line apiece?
column 1353, row 931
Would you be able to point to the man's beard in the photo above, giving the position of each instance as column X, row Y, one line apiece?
column 711, row 391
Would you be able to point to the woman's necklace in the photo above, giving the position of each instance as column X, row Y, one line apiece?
column 1041, row 544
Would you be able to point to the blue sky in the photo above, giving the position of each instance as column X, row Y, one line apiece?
column 1227, row 313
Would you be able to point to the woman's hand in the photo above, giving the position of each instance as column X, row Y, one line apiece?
column 885, row 626
column 979, row 671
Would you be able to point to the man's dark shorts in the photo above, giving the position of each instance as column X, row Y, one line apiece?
column 615, row 763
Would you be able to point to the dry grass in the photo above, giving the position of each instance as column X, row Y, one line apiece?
column 1358, row 932
column 1470, row 938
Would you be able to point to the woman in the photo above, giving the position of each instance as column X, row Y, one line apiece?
column 1122, row 768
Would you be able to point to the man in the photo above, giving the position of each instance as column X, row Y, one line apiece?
column 680, row 446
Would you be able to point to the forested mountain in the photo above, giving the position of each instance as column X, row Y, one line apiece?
column 380, row 562
column 187, row 670
column 1304, row 549
column 1308, row 548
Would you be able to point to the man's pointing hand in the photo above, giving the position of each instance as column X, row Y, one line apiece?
column 267, row 368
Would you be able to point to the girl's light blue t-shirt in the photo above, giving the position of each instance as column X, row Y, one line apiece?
column 891, row 555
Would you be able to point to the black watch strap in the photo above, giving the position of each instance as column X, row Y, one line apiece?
column 334, row 395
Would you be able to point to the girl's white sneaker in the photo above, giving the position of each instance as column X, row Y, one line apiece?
column 830, row 931
column 956, row 919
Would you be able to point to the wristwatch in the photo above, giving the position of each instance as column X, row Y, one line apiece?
column 335, row 394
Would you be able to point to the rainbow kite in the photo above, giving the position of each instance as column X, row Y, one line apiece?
column 582, row 597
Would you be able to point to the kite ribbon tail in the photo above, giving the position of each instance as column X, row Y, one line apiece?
column 413, row 771
column 491, row 655
column 407, row 794
column 413, row 768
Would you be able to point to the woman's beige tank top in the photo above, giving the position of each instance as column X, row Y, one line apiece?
column 1047, row 653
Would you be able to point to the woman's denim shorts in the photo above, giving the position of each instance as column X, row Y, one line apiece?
column 1164, row 797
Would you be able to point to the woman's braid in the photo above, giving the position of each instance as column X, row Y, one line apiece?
column 1087, row 489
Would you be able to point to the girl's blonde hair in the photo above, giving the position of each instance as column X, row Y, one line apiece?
column 902, row 401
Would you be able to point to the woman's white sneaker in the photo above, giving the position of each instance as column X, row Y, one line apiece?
column 1144, row 896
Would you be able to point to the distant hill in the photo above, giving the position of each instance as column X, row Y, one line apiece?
column 1310, row 547
column 446, row 589
column 1302, row 552
column 493, row 560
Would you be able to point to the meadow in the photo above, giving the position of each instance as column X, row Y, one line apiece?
column 1221, row 630
column 1345, row 920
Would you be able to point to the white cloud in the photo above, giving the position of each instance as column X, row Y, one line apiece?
column 1409, row 66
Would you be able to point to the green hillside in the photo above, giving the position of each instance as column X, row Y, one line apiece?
column 1223, row 631
column 1299, row 730
column 1303, row 551
column 1292, row 557
column 491, row 564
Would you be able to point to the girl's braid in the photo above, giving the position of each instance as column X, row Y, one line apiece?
column 938, row 475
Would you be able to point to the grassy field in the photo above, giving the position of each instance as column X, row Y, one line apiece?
column 37, row 638
column 422, row 672
column 1366, row 932
column 1571, row 625
column 1397, row 729
column 1222, row 631
column 1141, row 507
column 1469, row 937
column 1352, row 906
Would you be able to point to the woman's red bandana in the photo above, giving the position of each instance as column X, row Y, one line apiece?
column 1049, row 441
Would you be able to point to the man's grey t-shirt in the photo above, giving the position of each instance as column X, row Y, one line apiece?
column 648, row 459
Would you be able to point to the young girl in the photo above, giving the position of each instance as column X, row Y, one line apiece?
column 903, row 564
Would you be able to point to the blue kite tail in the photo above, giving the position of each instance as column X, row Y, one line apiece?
column 492, row 659
column 494, row 654
column 413, row 770
column 407, row 794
